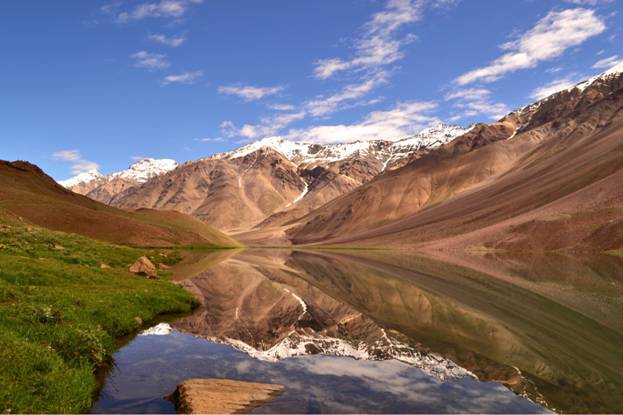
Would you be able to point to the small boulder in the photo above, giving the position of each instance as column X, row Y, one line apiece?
column 138, row 320
column 163, row 267
column 104, row 266
column 143, row 266
column 57, row 247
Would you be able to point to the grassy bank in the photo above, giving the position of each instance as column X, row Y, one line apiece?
column 60, row 313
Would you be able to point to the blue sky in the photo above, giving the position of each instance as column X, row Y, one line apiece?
column 97, row 83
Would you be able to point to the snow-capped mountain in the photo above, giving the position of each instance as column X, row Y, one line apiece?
column 273, row 176
column 82, row 178
column 429, row 138
column 145, row 169
column 557, row 103
column 614, row 71
column 139, row 172
column 386, row 151
column 104, row 188
column 300, row 153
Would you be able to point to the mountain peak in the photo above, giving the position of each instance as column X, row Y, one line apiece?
column 82, row 178
column 138, row 172
column 301, row 152
column 288, row 148
column 614, row 71
column 145, row 169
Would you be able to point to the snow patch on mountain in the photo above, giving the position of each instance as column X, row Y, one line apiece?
column 300, row 153
column 385, row 151
column 82, row 178
column 428, row 138
column 615, row 70
column 145, row 169
column 139, row 172
column 290, row 149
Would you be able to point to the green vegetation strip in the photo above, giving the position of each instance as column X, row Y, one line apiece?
column 60, row 314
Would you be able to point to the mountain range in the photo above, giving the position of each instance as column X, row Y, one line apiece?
column 546, row 176
column 267, row 181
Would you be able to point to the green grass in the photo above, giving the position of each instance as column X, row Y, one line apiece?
column 60, row 314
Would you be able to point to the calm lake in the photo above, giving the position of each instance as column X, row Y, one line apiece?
column 378, row 332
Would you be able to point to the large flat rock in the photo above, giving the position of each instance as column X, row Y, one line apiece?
column 222, row 396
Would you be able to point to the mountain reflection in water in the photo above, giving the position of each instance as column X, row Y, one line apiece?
column 547, row 327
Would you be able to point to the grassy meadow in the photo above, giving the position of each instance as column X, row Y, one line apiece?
column 60, row 313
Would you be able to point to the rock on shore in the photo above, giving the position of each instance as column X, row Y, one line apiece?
column 144, row 267
column 222, row 396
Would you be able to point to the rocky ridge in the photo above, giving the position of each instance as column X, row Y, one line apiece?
column 267, row 182
column 542, row 177
column 103, row 188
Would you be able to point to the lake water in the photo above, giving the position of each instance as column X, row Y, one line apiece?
column 381, row 332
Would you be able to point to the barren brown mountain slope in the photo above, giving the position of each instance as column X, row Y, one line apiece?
column 237, row 194
column 227, row 193
column 264, row 184
column 28, row 193
column 548, row 176
column 106, row 191
column 325, row 183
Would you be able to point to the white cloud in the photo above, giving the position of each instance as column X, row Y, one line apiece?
column 173, row 41
column 548, row 39
column 588, row 2
column 552, row 87
column 405, row 119
column 327, row 104
column 228, row 128
column 182, row 78
column 476, row 101
column 84, row 166
column 608, row 63
column 443, row 4
column 75, row 158
column 319, row 106
column 266, row 127
column 150, row 61
column 211, row 139
column 377, row 47
column 282, row 107
column 555, row 69
column 469, row 94
column 163, row 8
column 67, row 155
column 249, row 93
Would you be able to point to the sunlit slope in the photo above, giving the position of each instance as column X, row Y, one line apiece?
column 27, row 193
column 545, row 177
